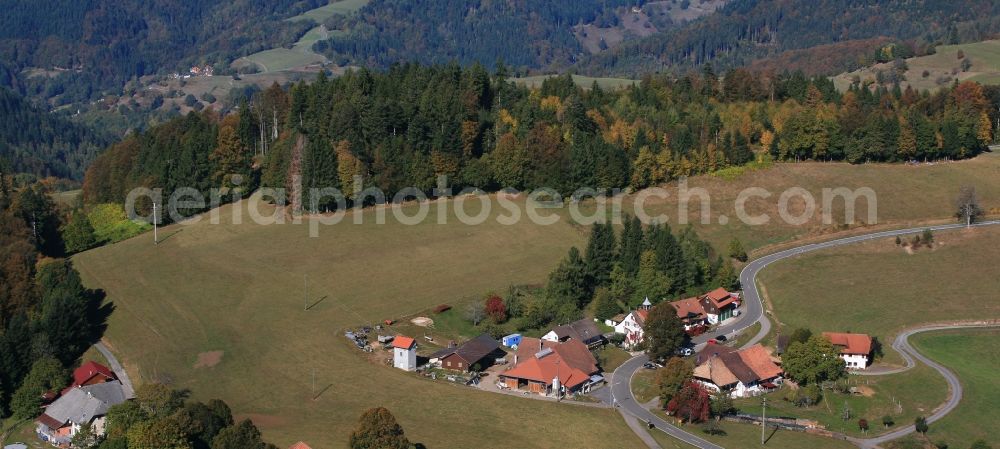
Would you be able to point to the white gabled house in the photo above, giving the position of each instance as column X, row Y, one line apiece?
column 631, row 326
column 855, row 349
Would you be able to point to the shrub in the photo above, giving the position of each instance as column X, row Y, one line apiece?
column 887, row 421
column 111, row 225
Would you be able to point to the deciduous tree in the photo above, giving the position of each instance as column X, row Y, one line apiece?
column 691, row 404
column 968, row 205
column 736, row 250
column 672, row 377
column 663, row 332
column 78, row 234
column 377, row 429
column 496, row 309
column 817, row 360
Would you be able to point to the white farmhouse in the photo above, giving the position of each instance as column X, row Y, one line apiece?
column 631, row 326
column 404, row 353
column 855, row 349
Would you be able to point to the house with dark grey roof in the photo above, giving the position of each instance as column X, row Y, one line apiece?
column 79, row 406
column 481, row 351
column 584, row 331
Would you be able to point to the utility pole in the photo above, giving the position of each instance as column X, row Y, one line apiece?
column 305, row 296
column 156, row 238
column 763, row 422
column 558, row 384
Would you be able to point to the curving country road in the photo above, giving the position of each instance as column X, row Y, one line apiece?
column 753, row 312
column 902, row 344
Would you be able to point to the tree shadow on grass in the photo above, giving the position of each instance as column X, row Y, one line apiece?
column 98, row 314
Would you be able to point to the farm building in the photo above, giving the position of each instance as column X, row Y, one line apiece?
column 79, row 406
column 546, row 367
column 615, row 320
column 855, row 349
column 404, row 353
column 743, row 373
column 584, row 331
column 719, row 305
column 473, row 355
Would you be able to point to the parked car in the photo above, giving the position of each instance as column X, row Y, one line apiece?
column 721, row 339
column 649, row 365
column 684, row 352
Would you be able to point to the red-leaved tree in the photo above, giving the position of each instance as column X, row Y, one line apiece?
column 691, row 404
column 496, row 309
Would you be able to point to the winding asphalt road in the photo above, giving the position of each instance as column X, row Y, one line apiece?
column 902, row 344
column 753, row 312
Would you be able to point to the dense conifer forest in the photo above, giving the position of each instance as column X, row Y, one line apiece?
column 45, row 144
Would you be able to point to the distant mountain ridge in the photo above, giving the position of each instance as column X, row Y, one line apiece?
column 746, row 30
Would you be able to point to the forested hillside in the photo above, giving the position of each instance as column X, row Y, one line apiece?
column 42, row 143
column 405, row 126
column 746, row 30
column 86, row 46
column 521, row 33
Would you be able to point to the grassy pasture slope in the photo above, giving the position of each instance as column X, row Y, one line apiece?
column 917, row 391
column 879, row 288
column 985, row 57
column 580, row 80
column 301, row 54
column 906, row 195
column 975, row 358
column 239, row 289
column 343, row 7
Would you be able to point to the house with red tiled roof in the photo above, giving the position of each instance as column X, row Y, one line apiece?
column 549, row 368
column 719, row 305
column 855, row 349
column 404, row 353
column 690, row 312
column 743, row 373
